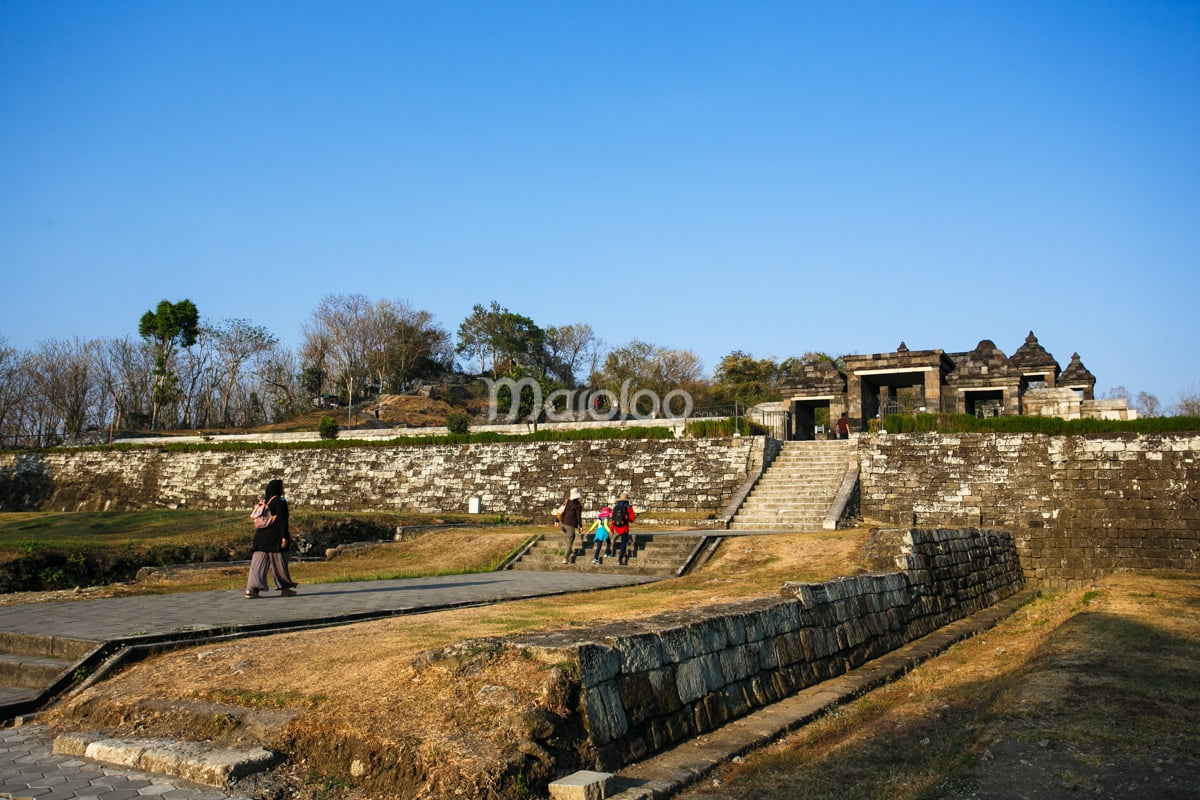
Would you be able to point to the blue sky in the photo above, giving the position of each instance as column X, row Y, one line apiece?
column 773, row 177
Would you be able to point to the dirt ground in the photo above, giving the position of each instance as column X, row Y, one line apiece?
column 385, row 411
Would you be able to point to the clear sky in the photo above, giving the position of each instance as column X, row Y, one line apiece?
column 773, row 177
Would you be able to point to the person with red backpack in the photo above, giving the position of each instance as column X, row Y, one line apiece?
column 622, row 515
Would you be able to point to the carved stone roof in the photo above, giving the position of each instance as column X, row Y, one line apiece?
column 1032, row 357
column 985, row 365
column 1076, row 374
column 819, row 378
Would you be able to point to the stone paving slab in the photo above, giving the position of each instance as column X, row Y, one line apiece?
column 29, row 768
column 154, row 616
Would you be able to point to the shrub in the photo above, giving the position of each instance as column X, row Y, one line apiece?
column 1053, row 426
column 724, row 426
column 458, row 422
column 327, row 428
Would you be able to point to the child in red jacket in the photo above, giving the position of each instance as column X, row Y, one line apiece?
column 622, row 515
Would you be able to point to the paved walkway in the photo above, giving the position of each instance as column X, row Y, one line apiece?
column 151, row 617
column 29, row 768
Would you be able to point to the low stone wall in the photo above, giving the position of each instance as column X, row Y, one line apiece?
column 1080, row 507
column 519, row 478
column 647, row 686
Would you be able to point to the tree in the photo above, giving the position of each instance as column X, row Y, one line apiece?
column 650, row 368
column 741, row 378
column 169, row 327
column 16, row 428
column 360, row 343
column 1147, row 404
column 572, row 350
column 126, row 367
column 474, row 336
column 283, row 384
column 1118, row 393
column 1188, row 404
column 341, row 340
column 414, row 345
column 237, row 346
column 499, row 338
column 63, row 374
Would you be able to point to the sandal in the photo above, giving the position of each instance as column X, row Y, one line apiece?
column 251, row 594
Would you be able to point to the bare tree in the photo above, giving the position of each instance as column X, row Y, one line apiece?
column 16, row 428
column 1188, row 404
column 1147, row 404
column 412, row 342
column 572, row 350
column 647, row 366
column 341, row 339
column 279, row 374
column 67, row 384
column 126, row 374
column 236, row 345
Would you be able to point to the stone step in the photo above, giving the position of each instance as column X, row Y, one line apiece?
column 797, row 490
column 199, row 762
column 775, row 494
column 798, row 526
column 31, row 664
column 52, row 646
column 759, row 520
column 775, row 503
column 31, row 672
column 647, row 554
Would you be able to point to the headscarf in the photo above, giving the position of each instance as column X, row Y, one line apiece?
column 274, row 489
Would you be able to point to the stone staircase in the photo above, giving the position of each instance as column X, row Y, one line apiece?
column 664, row 554
column 31, row 665
column 797, row 490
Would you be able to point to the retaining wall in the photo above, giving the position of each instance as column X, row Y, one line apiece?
column 1080, row 507
column 526, row 478
column 649, row 685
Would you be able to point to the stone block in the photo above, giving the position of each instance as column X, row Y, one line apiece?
column 582, row 785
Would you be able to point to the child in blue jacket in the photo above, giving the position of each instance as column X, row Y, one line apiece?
column 602, row 531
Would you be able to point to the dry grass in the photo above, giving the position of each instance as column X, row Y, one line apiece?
column 363, row 692
column 1080, row 691
column 1093, row 692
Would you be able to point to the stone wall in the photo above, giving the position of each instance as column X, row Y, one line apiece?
column 510, row 478
column 649, row 685
column 1080, row 506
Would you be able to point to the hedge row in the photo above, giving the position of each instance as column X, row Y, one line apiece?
column 1054, row 426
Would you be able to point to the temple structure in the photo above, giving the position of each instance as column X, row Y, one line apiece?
column 983, row 382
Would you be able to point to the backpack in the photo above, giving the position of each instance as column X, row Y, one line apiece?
column 261, row 516
column 620, row 515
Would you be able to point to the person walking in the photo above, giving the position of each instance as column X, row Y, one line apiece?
column 843, row 426
column 270, row 547
column 570, row 520
column 603, row 534
column 622, row 515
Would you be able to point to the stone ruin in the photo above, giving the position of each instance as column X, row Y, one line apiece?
column 983, row 382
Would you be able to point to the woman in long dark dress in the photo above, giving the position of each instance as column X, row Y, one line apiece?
column 270, row 547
